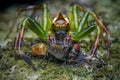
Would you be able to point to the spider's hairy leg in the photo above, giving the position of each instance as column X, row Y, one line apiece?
column 33, row 7
column 46, row 20
column 83, row 31
column 100, row 26
column 78, row 26
column 33, row 26
column 74, row 16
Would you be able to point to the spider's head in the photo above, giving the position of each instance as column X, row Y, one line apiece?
column 60, row 23
column 60, row 27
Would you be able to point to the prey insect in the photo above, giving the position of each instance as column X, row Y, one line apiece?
column 62, row 34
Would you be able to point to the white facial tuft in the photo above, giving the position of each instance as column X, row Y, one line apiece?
column 54, row 20
column 67, row 20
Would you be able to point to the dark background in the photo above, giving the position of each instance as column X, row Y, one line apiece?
column 5, row 4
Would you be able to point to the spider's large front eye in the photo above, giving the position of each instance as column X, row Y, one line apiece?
column 63, row 27
column 57, row 27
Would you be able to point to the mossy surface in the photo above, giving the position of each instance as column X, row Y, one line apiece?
column 12, row 68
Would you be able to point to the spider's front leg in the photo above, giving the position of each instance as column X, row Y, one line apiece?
column 82, row 29
column 33, row 8
column 36, row 28
column 33, row 26
column 100, row 26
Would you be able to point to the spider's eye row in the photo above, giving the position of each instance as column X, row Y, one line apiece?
column 57, row 27
column 60, row 28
